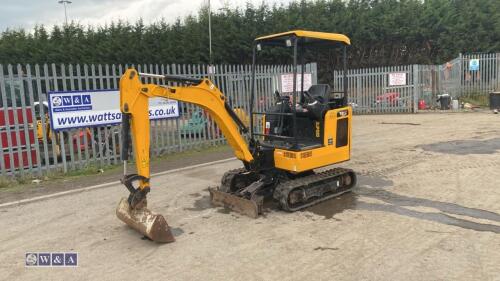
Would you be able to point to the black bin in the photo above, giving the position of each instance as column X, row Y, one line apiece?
column 495, row 100
column 444, row 101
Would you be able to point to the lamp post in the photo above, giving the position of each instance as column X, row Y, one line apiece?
column 65, row 2
column 210, row 32
column 211, row 67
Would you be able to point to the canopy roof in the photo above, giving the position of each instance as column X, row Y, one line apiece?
column 309, row 36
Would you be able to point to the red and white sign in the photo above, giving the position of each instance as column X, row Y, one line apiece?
column 287, row 82
column 397, row 79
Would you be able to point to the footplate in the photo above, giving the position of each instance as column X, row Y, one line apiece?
column 251, row 208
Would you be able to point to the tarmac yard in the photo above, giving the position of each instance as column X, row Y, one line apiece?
column 426, row 207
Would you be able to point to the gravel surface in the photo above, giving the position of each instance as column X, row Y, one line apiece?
column 425, row 208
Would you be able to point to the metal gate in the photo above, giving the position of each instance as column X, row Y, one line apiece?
column 380, row 90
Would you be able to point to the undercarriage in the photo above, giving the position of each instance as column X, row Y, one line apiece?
column 246, row 191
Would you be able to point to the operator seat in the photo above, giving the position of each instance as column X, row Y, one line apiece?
column 320, row 92
column 319, row 104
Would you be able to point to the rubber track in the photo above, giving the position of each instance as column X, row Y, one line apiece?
column 284, row 188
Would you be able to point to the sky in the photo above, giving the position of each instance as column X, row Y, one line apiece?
column 28, row 13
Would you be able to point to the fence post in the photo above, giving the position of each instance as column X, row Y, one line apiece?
column 461, row 74
column 416, row 87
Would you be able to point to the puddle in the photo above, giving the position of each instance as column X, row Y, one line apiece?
column 347, row 201
column 325, row 248
column 464, row 147
column 201, row 204
column 334, row 206
column 397, row 204
column 400, row 123
column 176, row 231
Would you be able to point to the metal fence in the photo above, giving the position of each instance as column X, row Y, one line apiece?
column 457, row 79
column 29, row 147
column 370, row 90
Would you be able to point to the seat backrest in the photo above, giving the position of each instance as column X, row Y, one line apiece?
column 320, row 92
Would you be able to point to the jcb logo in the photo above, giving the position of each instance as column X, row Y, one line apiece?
column 318, row 132
column 342, row 113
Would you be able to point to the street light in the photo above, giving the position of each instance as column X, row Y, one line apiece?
column 210, row 32
column 211, row 67
column 65, row 2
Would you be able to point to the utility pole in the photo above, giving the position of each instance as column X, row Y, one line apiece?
column 210, row 32
column 211, row 67
column 65, row 2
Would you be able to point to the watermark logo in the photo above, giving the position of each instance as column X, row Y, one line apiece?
column 56, row 101
column 71, row 259
column 44, row 259
column 77, row 100
column 31, row 259
column 86, row 99
column 67, row 101
column 56, row 259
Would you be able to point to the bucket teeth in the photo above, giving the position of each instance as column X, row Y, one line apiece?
column 152, row 225
column 251, row 208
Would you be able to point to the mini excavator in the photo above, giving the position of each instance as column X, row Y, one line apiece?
column 302, row 132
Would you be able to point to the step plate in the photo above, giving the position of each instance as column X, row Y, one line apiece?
column 251, row 208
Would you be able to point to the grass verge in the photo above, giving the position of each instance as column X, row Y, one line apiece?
column 17, row 182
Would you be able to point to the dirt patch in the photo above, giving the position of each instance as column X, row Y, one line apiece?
column 176, row 231
column 464, row 147
column 201, row 204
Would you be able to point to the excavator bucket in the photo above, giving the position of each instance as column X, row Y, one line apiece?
column 251, row 208
column 154, row 226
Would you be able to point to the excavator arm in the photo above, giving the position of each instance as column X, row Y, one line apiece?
column 134, row 105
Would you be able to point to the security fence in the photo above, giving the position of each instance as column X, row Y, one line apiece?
column 381, row 89
column 29, row 145
column 468, row 76
column 398, row 89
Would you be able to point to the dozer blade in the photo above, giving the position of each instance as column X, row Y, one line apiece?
column 152, row 225
column 251, row 208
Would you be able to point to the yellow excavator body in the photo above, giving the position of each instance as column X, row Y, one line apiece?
column 299, row 136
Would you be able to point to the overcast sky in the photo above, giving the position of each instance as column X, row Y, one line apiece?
column 28, row 13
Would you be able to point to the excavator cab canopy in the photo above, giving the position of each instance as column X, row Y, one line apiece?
column 302, row 47
column 306, row 37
